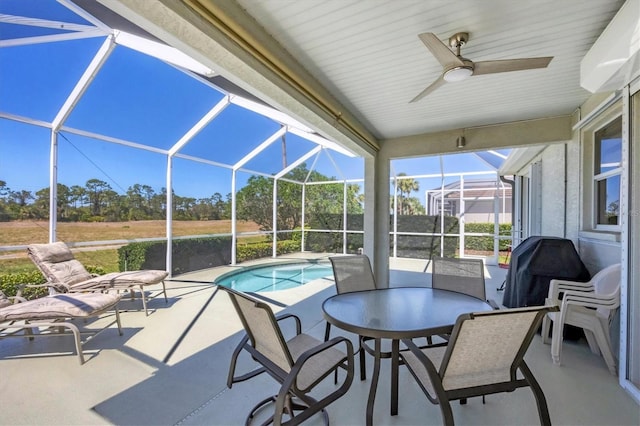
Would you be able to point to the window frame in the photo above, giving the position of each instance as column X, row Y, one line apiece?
column 609, row 111
column 596, row 179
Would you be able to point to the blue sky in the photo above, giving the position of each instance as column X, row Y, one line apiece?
column 143, row 100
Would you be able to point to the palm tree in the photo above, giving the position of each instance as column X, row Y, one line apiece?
column 405, row 186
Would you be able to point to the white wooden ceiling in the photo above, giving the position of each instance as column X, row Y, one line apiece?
column 368, row 55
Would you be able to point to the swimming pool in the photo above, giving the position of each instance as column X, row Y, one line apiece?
column 275, row 276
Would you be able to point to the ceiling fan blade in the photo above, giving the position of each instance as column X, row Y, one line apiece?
column 433, row 86
column 492, row 67
column 439, row 50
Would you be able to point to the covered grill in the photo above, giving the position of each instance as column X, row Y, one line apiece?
column 534, row 263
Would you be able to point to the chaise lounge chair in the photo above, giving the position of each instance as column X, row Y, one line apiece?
column 67, row 275
column 50, row 315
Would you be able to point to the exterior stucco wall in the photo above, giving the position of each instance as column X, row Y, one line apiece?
column 553, row 190
column 566, row 175
column 553, row 168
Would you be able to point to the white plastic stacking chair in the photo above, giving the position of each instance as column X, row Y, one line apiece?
column 590, row 306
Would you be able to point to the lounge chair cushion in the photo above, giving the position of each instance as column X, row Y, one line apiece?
column 60, row 306
column 58, row 264
column 56, row 261
column 122, row 279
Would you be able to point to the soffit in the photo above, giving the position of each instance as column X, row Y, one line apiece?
column 368, row 56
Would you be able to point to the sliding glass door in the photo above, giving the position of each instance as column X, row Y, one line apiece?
column 630, row 312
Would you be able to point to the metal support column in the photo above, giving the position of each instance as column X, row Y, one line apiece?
column 53, row 186
column 169, row 215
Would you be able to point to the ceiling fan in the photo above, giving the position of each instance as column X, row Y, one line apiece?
column 457, row 68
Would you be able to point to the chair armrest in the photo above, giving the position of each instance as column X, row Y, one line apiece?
column 434, row 376
column 590, row 300
column 16, row 299
column 310, row 353
column 304, row 357
column 58, row 287
column 295, row 318
column 561, row 286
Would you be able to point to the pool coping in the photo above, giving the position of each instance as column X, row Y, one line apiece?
column 245, row 268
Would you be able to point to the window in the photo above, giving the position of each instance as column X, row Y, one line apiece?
column 607, row 169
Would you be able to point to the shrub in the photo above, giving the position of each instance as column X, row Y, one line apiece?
column 195, row 253
column 252, row 251
column 9, row 283
column 486, row 243
column 188, row 254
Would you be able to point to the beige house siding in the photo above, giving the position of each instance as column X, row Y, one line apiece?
column 566, row 197
column 553, row 190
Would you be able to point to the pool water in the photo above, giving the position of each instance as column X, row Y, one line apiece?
column 275, row 277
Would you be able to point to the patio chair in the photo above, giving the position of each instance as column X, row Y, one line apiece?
column 51, row 315
column 461, row 275
column 298, row 364
column 485, row 355
column 590, row 306
column 353, row 273
column 65, row 274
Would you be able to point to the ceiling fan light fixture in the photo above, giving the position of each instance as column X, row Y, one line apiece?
column 458, row 73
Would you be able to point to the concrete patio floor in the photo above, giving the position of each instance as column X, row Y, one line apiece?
column 170, row 368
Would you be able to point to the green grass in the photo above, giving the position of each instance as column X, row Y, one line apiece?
column 27, row 232
column 107, row 259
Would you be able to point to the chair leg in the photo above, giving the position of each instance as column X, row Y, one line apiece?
column 541, row 401
column 144, row 300
column 363, row 367
column 118, row 321
column 76, row 337
column 592, row 341
column 447, row 414
column 234, row 360
column 546, row 326
column 327, row 333
column 556, row 342
column 164, row 290
column 605, row 347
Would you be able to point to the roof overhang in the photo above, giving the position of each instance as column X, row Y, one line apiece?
column 221, row 36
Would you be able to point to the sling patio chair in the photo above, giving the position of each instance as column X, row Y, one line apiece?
column 485, row 355
column 65, row 274
column 353, row 273
column 51, row 315
column 298, row 364
column 461, row 275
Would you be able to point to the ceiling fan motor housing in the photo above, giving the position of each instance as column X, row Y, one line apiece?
column 458, row 40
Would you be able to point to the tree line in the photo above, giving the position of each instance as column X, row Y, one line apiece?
column 96, row 201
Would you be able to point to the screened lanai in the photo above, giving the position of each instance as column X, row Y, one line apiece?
column 91, row 101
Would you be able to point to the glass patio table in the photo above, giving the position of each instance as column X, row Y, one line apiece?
column 394, row 314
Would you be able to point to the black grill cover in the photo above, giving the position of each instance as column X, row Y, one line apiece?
column 534, row 263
